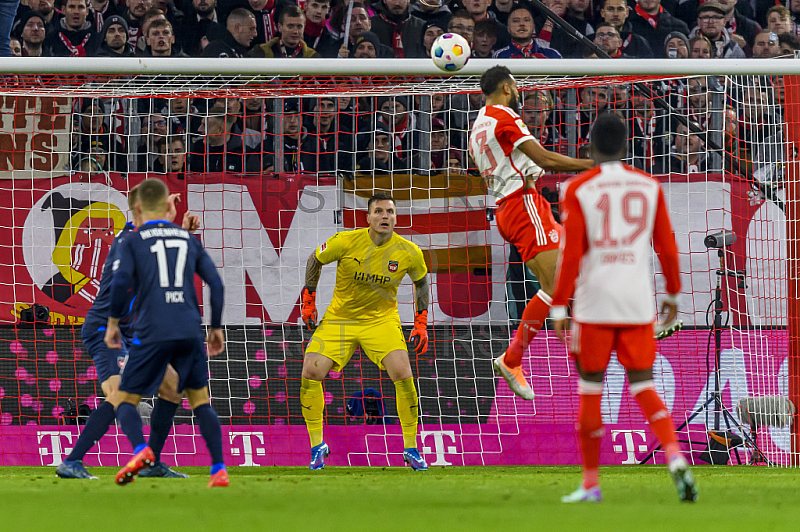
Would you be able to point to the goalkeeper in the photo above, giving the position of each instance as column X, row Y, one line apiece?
column 371, row 263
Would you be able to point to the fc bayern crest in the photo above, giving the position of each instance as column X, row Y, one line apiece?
column 392, row 266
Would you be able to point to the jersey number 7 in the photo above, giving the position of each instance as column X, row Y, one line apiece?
column 159, row 248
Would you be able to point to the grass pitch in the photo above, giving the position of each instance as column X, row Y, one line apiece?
column 639, row 498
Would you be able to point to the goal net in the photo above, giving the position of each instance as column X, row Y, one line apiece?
column 276, row 161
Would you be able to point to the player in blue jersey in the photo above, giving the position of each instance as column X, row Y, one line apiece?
column 159, row 261
column 109, row 365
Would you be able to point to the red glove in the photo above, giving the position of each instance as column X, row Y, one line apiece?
column 419, row 334
column 308, row 308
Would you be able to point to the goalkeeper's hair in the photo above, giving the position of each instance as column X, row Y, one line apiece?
column 153, row 195
column 493, row 78
column 379, row 196
column 609, row 134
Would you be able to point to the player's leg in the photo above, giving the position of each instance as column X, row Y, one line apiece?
column 210, row 428
column 330, row 347
column 636, row 352
column 160, row 424
column 591, row 348
column 399, row 369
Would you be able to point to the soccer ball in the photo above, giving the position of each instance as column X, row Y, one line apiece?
column 450, row 52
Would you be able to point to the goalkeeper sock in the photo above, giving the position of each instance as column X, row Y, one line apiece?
column 313, row 403
column 131, row 424
column 590, row 430
column 96, row 426
column 211, row 431
column 657, row 415
column 160, row 423
column 533, row 318
column 407, row 411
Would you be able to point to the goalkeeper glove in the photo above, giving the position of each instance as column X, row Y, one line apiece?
column 308, row 308
column 419, row 334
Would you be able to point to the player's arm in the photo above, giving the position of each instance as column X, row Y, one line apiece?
column 329, row 251
column 122, row 270
column 422, row 298
column 574, row 245
column 667, row 251
column 208, row 273
column 553, row 161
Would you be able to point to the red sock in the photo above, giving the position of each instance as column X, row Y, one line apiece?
column 533, row 317
column 590, row 430
column 657, row 415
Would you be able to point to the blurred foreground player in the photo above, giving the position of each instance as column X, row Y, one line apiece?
column 371, row 263
column 159, row 260
column 109, row 364
column 511, row 160
column 611, row 215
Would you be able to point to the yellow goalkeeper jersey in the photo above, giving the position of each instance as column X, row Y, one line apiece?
column 367, row 276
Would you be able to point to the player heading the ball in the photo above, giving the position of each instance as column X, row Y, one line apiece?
column 158, row 262
column 611, row 215
column 510, row 159
column 371, row 263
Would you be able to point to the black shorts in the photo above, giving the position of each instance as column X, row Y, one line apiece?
column 107, row 361
column 146, row 364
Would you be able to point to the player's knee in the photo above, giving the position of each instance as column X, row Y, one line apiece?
column 315, row 367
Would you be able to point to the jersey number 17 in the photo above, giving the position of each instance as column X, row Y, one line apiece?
column 160, row 249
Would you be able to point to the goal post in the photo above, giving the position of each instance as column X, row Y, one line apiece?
column 277, row 156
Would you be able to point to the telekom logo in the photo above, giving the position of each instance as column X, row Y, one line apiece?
column 251, row 443
column 629, row 447
column 55, row 451
column 440, row 448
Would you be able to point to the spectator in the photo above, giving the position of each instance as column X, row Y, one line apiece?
column 161, row 40
column 676, row 45
column 501, row 9
column 576, row 16
column 616, row 12
column 217, row 150
column 359, row 23
column 115, row 38
column 779, row 20
column 74, row 36
column 394, row 114
column 521, row 30
column 654, row 23
column 461, row 23
column 485, row 40
column 455, row 166
column 367, row 46
column 789, row 43
column 94, row 129
column 380, row 160
column 691, row 155
column 196, row 25
column 607, row 39
column 154, row 128
column 172, row 158
column 336, row 22
column 766, row 45
column 150, row 16
column 290, row 44
column 327, row 148
column 649, row 134
column 135, row 16
column 554, row 37
column 266, row 13
column 537, row 109
column 711, row 24
column 397, row 28
column 239, row 33
column 432, row 12
column 735, row 22
column 175, row 17
column 316, row 34
column 32, row 31
column 255, row 123
column 100, row 10
column 431, row 33
column 15, row 46
column 50, row 15
column 292, row 137
column 700, row 47
column 178, row 112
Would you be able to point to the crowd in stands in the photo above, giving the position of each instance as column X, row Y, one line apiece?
column 422, row 134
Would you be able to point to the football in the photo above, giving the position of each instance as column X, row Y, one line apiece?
column 450, row 52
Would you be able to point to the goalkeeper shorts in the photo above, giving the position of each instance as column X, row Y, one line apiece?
column 338, row 339
column 591, row 345
column 525, row 219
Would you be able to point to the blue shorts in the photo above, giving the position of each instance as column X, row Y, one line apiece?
column 146, row 364
column 107, row 361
